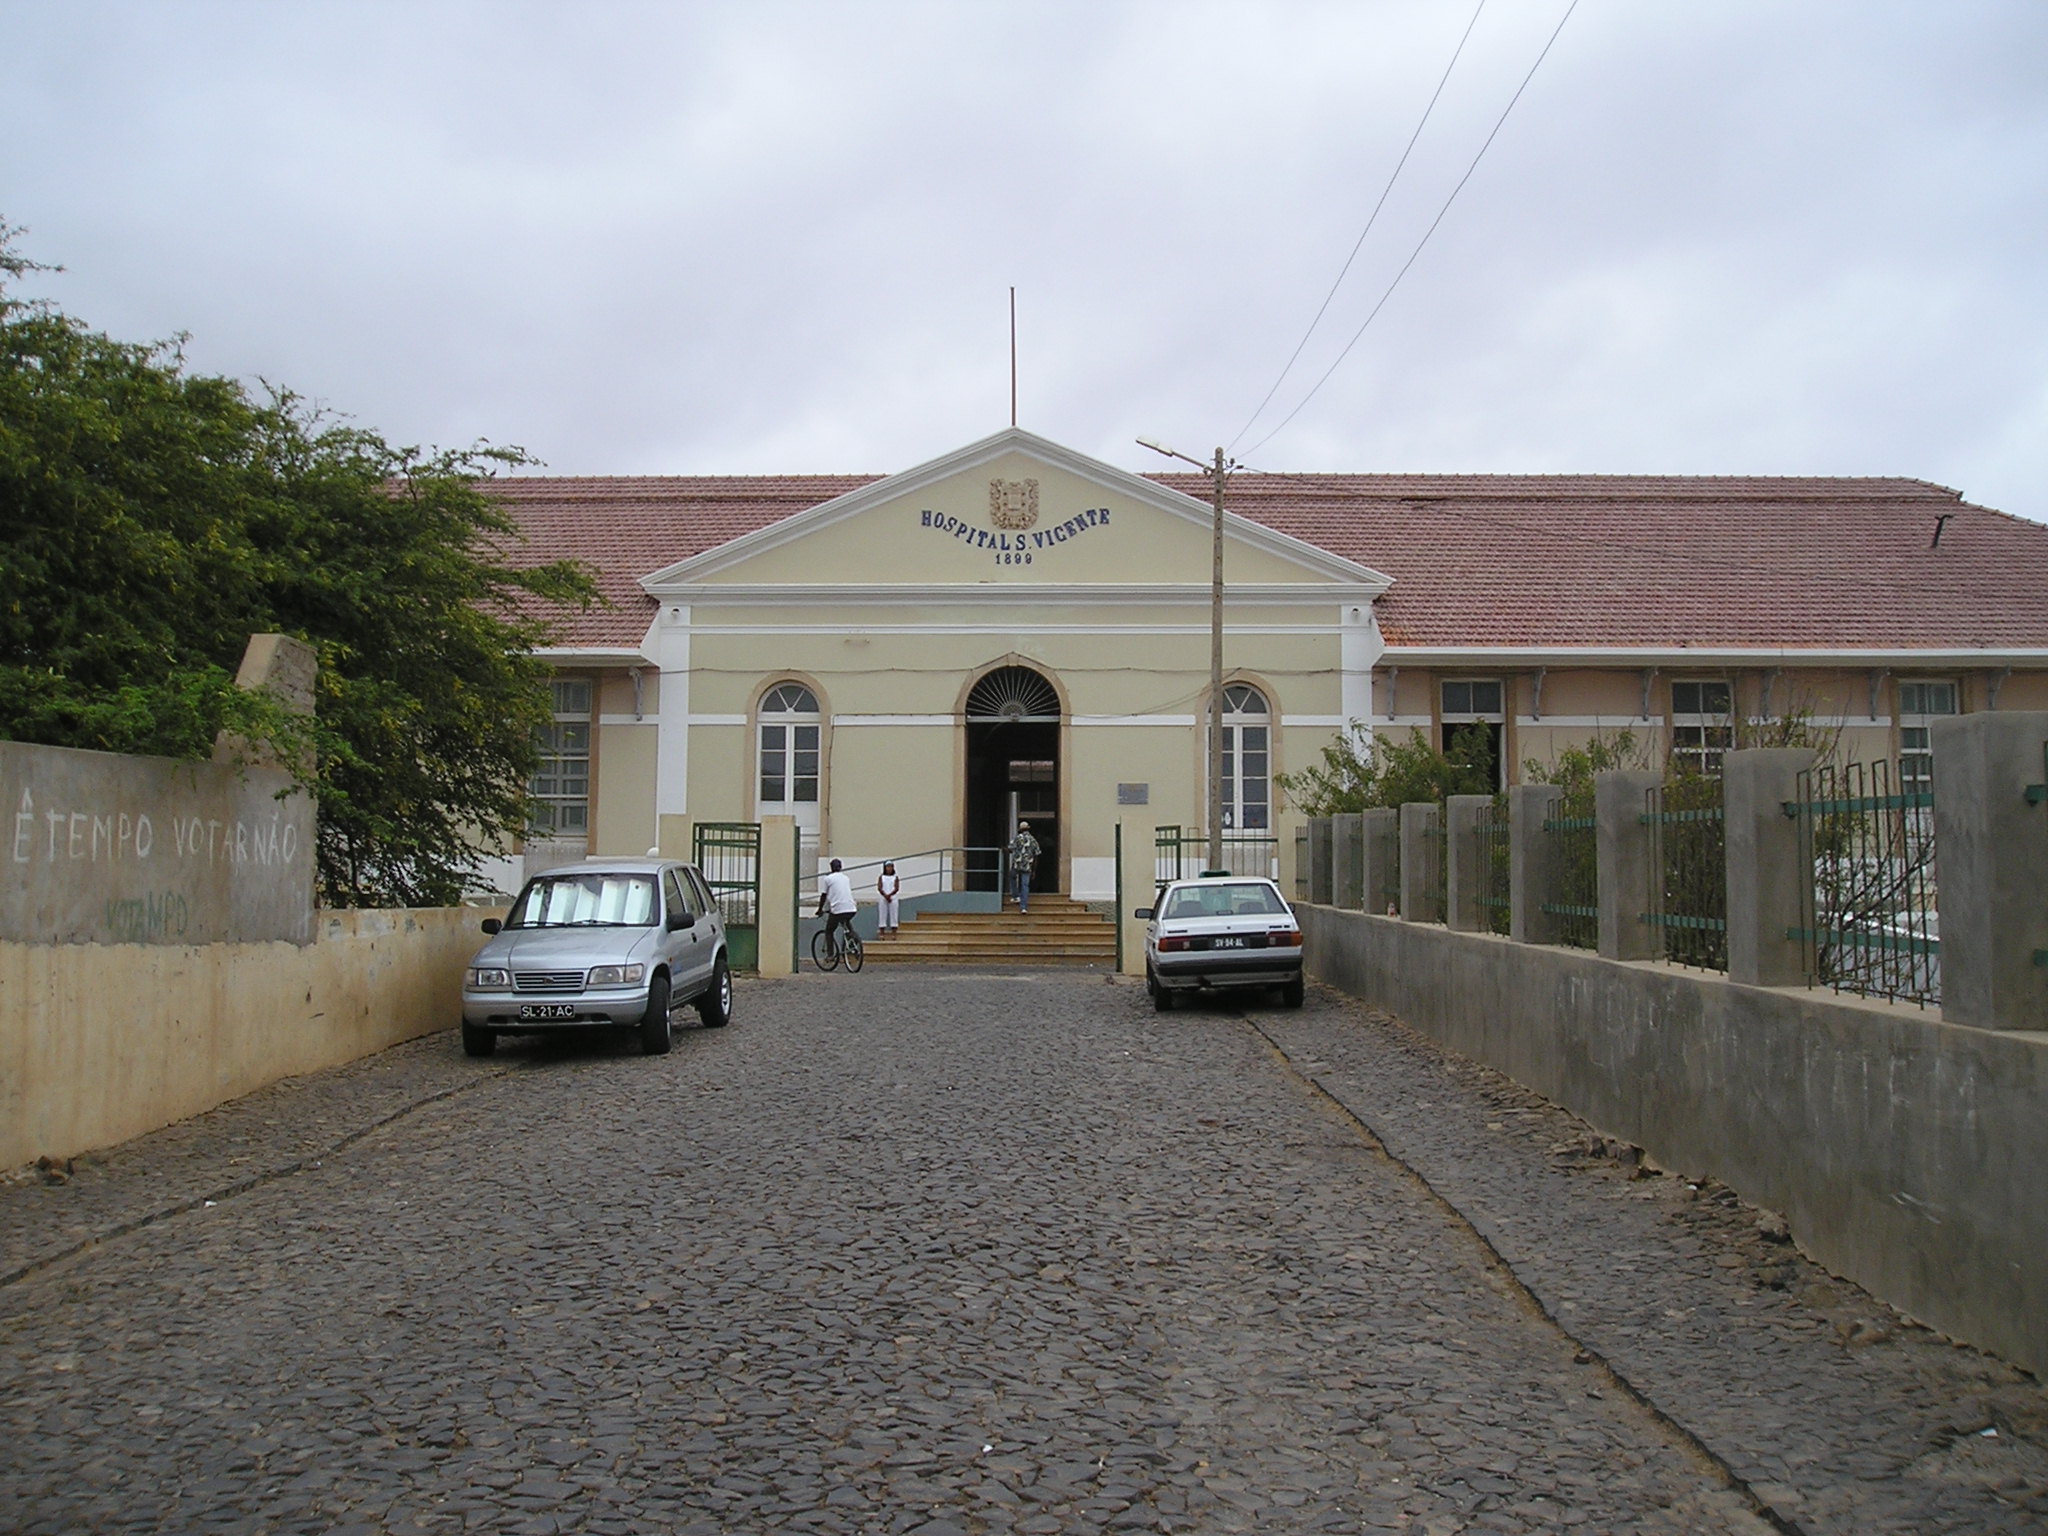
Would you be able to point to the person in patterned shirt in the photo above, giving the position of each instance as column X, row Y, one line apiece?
column 1023, row 851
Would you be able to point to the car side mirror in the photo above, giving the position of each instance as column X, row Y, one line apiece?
column 1143, row 913
column 681, row 920
column 492, row 925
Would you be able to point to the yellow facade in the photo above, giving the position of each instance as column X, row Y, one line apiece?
column 889, row 605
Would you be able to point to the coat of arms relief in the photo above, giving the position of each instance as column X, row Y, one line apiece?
column 1013, row 503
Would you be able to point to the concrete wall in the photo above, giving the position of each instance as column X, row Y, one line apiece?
column 1906, row 1153
column 103, row 1042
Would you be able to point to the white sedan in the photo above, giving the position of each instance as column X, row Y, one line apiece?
column 1221, row 933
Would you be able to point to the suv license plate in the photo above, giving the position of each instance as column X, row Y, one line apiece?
column 547, row 1010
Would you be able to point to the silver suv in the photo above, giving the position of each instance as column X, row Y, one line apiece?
column 602, row 943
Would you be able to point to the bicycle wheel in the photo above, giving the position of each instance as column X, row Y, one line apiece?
column 824, row 954
column 856, row 956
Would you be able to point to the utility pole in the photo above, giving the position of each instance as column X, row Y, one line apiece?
column 1216, row 677
column 1219, row 472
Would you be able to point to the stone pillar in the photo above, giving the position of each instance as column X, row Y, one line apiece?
column 1141, row 889
column 1622, row 847
column 676, row 836
column 1284, row 851
column 778, row 908
column 1465, row 870
column 1529, row 873
column 1319, row 889
column 1380, row 871
column 1347, row 836
column 1766, row 874
column 1992, row 846
column 1422, row 896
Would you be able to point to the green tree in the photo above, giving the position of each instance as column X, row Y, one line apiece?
column 152, row 518
column 1574, row 767
column 1360, row 772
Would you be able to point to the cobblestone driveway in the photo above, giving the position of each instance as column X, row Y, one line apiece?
column 943, row 1253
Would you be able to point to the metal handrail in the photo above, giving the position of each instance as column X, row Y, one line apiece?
column 948, row 869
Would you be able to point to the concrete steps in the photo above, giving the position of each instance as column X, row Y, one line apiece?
column 1056, row 931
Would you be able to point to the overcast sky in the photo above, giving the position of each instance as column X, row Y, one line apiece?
column 1721, row 238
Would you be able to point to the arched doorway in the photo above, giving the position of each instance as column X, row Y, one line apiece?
column 1013, row 768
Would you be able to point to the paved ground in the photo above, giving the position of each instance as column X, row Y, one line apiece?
column 942, row 1253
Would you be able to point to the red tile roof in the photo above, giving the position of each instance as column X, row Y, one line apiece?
column 1533, row 561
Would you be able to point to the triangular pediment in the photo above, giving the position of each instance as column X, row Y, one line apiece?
column 1013, row 511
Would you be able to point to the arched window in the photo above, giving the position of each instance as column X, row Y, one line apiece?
column 789, row 730
column 1247, row 760
column 1012, row 694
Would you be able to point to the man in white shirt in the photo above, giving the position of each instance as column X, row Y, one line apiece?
column 835, row 902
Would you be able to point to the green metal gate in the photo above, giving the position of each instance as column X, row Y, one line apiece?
column 1167, row 855
column 729, row 854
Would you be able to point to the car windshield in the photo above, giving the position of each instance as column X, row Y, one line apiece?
column 1224, row 900
column 585, row 901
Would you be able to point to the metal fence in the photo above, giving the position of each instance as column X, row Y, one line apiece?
column 1689, row 870
column 1170, row 850
column 1178, row 854
column 1573, row 899
column 729, row 854
column 1497, row 858
column 1870, row 920
column 1252, row 853
column 1301, row 862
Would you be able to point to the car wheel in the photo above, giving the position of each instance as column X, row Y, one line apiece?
column 1292, row 993
column 477, row 1041
column 655, row 1037
column 1162, row 1000
column 715, row 1006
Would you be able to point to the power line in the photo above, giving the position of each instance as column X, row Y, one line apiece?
column 1319, row 383
column 1371, row 219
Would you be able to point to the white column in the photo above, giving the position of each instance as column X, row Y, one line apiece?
column 1359, row 650
column 672, row 764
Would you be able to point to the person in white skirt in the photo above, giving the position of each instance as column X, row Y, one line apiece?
column 886, row 888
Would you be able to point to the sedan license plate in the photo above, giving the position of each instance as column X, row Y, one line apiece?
column 1228, row 941
column 547, row 1010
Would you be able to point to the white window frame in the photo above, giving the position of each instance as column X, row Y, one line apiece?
column 1700, row 738
column 558, row 794
column 780, row 741
column 1916, row 737
column 1247, row 733
column 1448, row 720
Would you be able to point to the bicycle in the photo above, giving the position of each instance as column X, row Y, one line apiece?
column 827, row 956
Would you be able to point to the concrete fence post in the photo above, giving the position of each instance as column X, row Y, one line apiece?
column 1421, row 886
column 1622, row 845
column 1767, row 874
column 1346, row 848
column 1466, row 867
column 1991, row 843
column 1141, row 888
column 1319, row 886
column 1529, row 872
column 778, row 915
column 1380, row 869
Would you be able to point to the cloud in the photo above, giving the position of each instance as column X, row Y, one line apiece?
column 1746, row 238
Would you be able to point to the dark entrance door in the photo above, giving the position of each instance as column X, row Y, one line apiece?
column 1013, row 770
